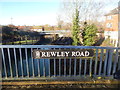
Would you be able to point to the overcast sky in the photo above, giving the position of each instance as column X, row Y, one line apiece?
column 35, row 12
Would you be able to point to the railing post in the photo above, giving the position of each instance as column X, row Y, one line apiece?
column 27, row 62
column 90, row 72
column 16, row 63
column 115, row 61
column 119, row 60
column 101, row 60
column 59, row 67
column 96, row 61
column 64, row 67
column 4, row 64
column 21, row 61
column 49, row 68
column 44, row 68
column 105, row 61
column 80, row 64
column 109, row 62
column 54, row 66
column 32, row 64
column 70, row 67
column 85, row 67
column 75, row 67
column 38, row 66
column 9, row 58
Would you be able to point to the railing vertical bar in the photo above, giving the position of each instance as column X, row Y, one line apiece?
column 110, row 62
column 119, row 62
column 80, row 63
column 44, row 67
column 49, row 68
column 96, row 61
column 75, row 67
column 105, row 62
column 64, row 67
column 4, row 64
column 16, row 63
column 90, row 72
column 38, row 66
column 33, row 73
column 59, row 67
column 54, row 66
column 85, row 66
column 10, row 62
column 101, row 57
column 21, row 61
column 70, row 67
column 27, row 62
column 115, row 61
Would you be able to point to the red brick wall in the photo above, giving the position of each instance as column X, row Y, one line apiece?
column 114, row 22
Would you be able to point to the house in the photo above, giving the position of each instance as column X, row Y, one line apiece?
column 112, row 26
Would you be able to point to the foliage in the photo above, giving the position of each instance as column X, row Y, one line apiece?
column 11, row 33
column 75, row 28
column 107, row 43
column 89, row 35
column 7, row 32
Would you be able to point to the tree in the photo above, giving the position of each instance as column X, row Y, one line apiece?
column 89, row 10
column 79, row 11
column 60, row 22
column 89, row 35
column 75, row 28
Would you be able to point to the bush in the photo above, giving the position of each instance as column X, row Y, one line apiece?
column 89, row 35
column 75, row 29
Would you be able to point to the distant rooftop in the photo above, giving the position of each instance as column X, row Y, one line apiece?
column 114, row 11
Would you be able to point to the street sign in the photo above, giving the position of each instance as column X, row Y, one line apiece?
column 84, row 53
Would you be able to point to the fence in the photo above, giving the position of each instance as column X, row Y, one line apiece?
column 18, row 63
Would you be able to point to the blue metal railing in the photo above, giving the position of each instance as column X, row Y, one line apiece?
column 18, row 63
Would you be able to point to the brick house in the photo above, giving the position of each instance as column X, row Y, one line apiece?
column 112, row 23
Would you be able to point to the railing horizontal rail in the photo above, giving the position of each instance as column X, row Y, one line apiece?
column 54, row 46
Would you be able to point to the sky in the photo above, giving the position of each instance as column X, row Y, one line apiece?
column 33, row 12
column 29, row 13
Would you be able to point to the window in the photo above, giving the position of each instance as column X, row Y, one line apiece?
column 109, row 25
column 109, row 17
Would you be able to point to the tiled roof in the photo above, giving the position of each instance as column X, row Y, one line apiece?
column 113, row 12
